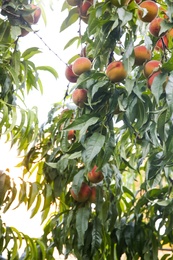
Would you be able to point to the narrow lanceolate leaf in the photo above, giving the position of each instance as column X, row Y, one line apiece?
column 14, row 119
column 96, row 235
column 14, row 248
column 49, row 69
column 34, row 189
column 47, row 196
column 36, row 207
column 11, row 198
column 14, row 75
column 82, row 218
column 92, row 146
column 30, row 53
column 71, row 41
column 72, row 17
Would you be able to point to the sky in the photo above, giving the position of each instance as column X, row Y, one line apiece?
column 53, row 92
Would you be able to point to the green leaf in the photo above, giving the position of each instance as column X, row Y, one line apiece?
column 49, row 69
column 34, row 189
column 158, row 85
column 30, row 53
column 71, row 41
column 14, row 75
column 82, row 219
column 169, row 93
column 96, row 235
column 72, row 17
column 92, row 146
column 47, row 196
column 37, row 206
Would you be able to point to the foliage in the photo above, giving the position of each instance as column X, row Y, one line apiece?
column 124, row 128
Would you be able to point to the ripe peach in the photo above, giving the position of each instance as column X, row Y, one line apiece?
column 70, row 75
column 79, row 97
column 83, row 10
column 151, row 8
column 93, row 195
column 71, row 135
column 83, row 194
column 95, row 176
column 155, row 27
column 115, row 71
column 32, row 18
column 23, row 32
column 142, row 54
column 73, row 2
column 151, row 67
column 120, row 3
column 162, row 43
column 151, row 78
column 81, row 65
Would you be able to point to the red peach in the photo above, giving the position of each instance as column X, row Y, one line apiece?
column 162, row 43
column 70, row 75
column 81, row 65
column 83, row 194
column 151, row 67
column 151, row 78
column 79, row 97
column 115, row 71
column 151, row 8
column 155, row 26
column 95, row 176
column 142, row 54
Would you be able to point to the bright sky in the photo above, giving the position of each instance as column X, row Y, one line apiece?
column 53, row 92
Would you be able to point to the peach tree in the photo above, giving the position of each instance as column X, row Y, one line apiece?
column 103, row 160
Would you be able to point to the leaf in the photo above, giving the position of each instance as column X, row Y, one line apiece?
column 34, row 189
column 49, row 69
column 71, row 41
column 92, row 146
column 169, row 93
column 47, row 196
column 82, row 219
column 96, row 235
column 14, row 75
column 158, row 85
column 72, row 17
column 36, row 207
column 30, row 53
column 77, row 181
column 124, row 15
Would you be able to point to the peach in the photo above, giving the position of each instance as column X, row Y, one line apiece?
column 23, row 32
column 83, row 10
column 115, row 71
column 155, row 27
column 32, row 18
column 73, row 2
column 93, row 195
column 81, row 65
column 151, row 11
column 151, row 78
column 151, row 67
column 83, row 194
column 71, row 135
column 142, row 54
column 70, row 75
column 95, row 176
column 79, row 97
column 162, row 43
column 120, row 3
